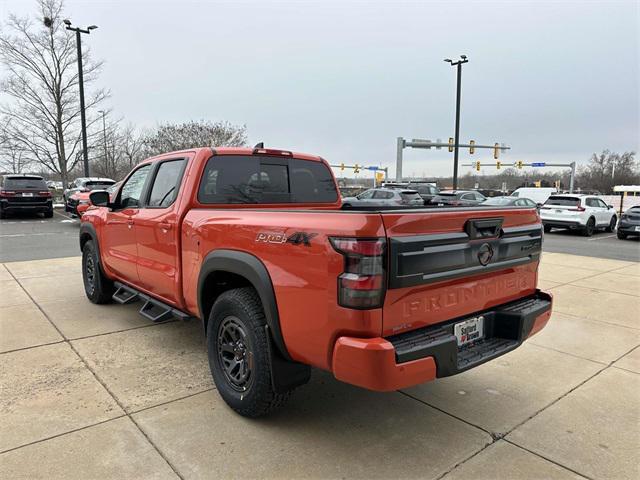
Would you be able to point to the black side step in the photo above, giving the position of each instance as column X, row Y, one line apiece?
column 125, row 294
column 152, row 309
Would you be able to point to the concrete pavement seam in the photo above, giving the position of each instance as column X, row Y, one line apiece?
column 99, row 380
column 547, row 459
column 32, row 346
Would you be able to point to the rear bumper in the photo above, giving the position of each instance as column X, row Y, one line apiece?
column 628, row 228
column 8, row 206
column 422, row 355
column 562, row 223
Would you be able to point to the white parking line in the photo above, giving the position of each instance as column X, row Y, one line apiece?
column 600, row 238
column 63, row 215
column 34, row 234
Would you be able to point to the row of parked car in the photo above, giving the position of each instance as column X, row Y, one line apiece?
column 584, row 213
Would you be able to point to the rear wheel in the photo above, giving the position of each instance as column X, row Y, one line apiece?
column 589, row 228
column 612, row 224
column 239, row 355
column 621, row 235
column 48, row 214
column 547, row 228
column 98, row 288
column 3, row 214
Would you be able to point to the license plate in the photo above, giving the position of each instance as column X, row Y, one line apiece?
column 469, row 330
column 559, row 211
column 27, row 194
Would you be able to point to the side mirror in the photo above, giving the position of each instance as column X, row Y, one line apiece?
column 609, row 207
column 100, row 198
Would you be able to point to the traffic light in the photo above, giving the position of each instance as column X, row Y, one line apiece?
column 498, row 164
column 472, row 146
column 356, row 169
column 496, row 151
column 519, row 164
column 478, row 165
column 342, row 167
column 450, row 144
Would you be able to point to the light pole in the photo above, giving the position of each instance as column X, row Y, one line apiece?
column 104, row 137
column 459, row 63
column 83, row 120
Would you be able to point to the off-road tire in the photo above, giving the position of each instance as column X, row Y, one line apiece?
column 98, row 288
column 589, row 228
column 622, row 235
column 257, row 397
column 547, row 228
column 612, row 224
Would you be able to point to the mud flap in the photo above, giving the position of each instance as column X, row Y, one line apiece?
column 285, row 375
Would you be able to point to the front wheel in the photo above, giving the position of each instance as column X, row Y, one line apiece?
column 239, row 355
column 612, row 224
column 589, row 228
column 547, row 228
column 98, row 288
column 622, row 235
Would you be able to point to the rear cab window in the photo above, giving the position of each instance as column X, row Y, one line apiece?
column 166, row 183
column 563, row 201
column 264, row 179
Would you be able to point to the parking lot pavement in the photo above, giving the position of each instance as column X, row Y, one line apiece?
column 97, row 392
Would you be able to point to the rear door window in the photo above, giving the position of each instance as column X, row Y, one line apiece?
column 563, row 201
column 25, row 183
column 166, row 183
column 264, row 179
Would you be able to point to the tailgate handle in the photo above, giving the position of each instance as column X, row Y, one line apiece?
column 483, row 228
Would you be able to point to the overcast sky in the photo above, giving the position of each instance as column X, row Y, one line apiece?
column 554, row 80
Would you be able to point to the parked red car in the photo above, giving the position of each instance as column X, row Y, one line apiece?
column 254, row 242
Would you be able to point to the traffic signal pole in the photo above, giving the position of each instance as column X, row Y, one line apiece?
column 457, row 134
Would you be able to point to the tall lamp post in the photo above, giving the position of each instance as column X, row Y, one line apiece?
column 83, row 120
column 459, row 63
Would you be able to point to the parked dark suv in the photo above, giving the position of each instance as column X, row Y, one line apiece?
column 24, row 193
column 629, row 225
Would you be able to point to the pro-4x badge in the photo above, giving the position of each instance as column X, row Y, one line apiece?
column 297, row 238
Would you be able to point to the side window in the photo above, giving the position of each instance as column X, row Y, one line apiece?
column 382, row 194
column 591, row 202
column 366, row 195
column 467, row 196
column 601, row 204
column 131, row 191
column 166, row 184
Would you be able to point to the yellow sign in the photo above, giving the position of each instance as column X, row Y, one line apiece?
column 379, row 176
column 538, row 183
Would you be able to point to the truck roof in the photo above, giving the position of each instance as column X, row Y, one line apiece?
column 247, row 151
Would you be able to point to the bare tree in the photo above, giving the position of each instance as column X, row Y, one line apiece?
column 13, row 158
column 192, row 134
column 132, row 145
column 607, row 169
column 42, row 82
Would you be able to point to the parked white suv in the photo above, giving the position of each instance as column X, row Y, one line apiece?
column 583, row 212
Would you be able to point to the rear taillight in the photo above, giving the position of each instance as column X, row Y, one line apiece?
column 577, row 209
column 362, row 284
column 45, row 194
column 7, row 193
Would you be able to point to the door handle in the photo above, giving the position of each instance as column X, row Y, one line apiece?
column 165, row 226
column 130, row 222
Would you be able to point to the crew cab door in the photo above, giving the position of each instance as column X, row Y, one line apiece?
column 118, row 240
column 157, row 231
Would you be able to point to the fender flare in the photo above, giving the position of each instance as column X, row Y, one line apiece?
column 251, row 268
column 90, row 230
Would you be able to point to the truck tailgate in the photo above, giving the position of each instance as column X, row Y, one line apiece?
column 450, row 263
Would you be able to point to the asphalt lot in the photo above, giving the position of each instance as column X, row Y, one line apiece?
column 96, row 391
column 34, row 238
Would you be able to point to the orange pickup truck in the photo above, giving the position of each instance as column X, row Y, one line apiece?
column 256, row 243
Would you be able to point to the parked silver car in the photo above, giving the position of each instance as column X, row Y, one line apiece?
column 380, row 197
